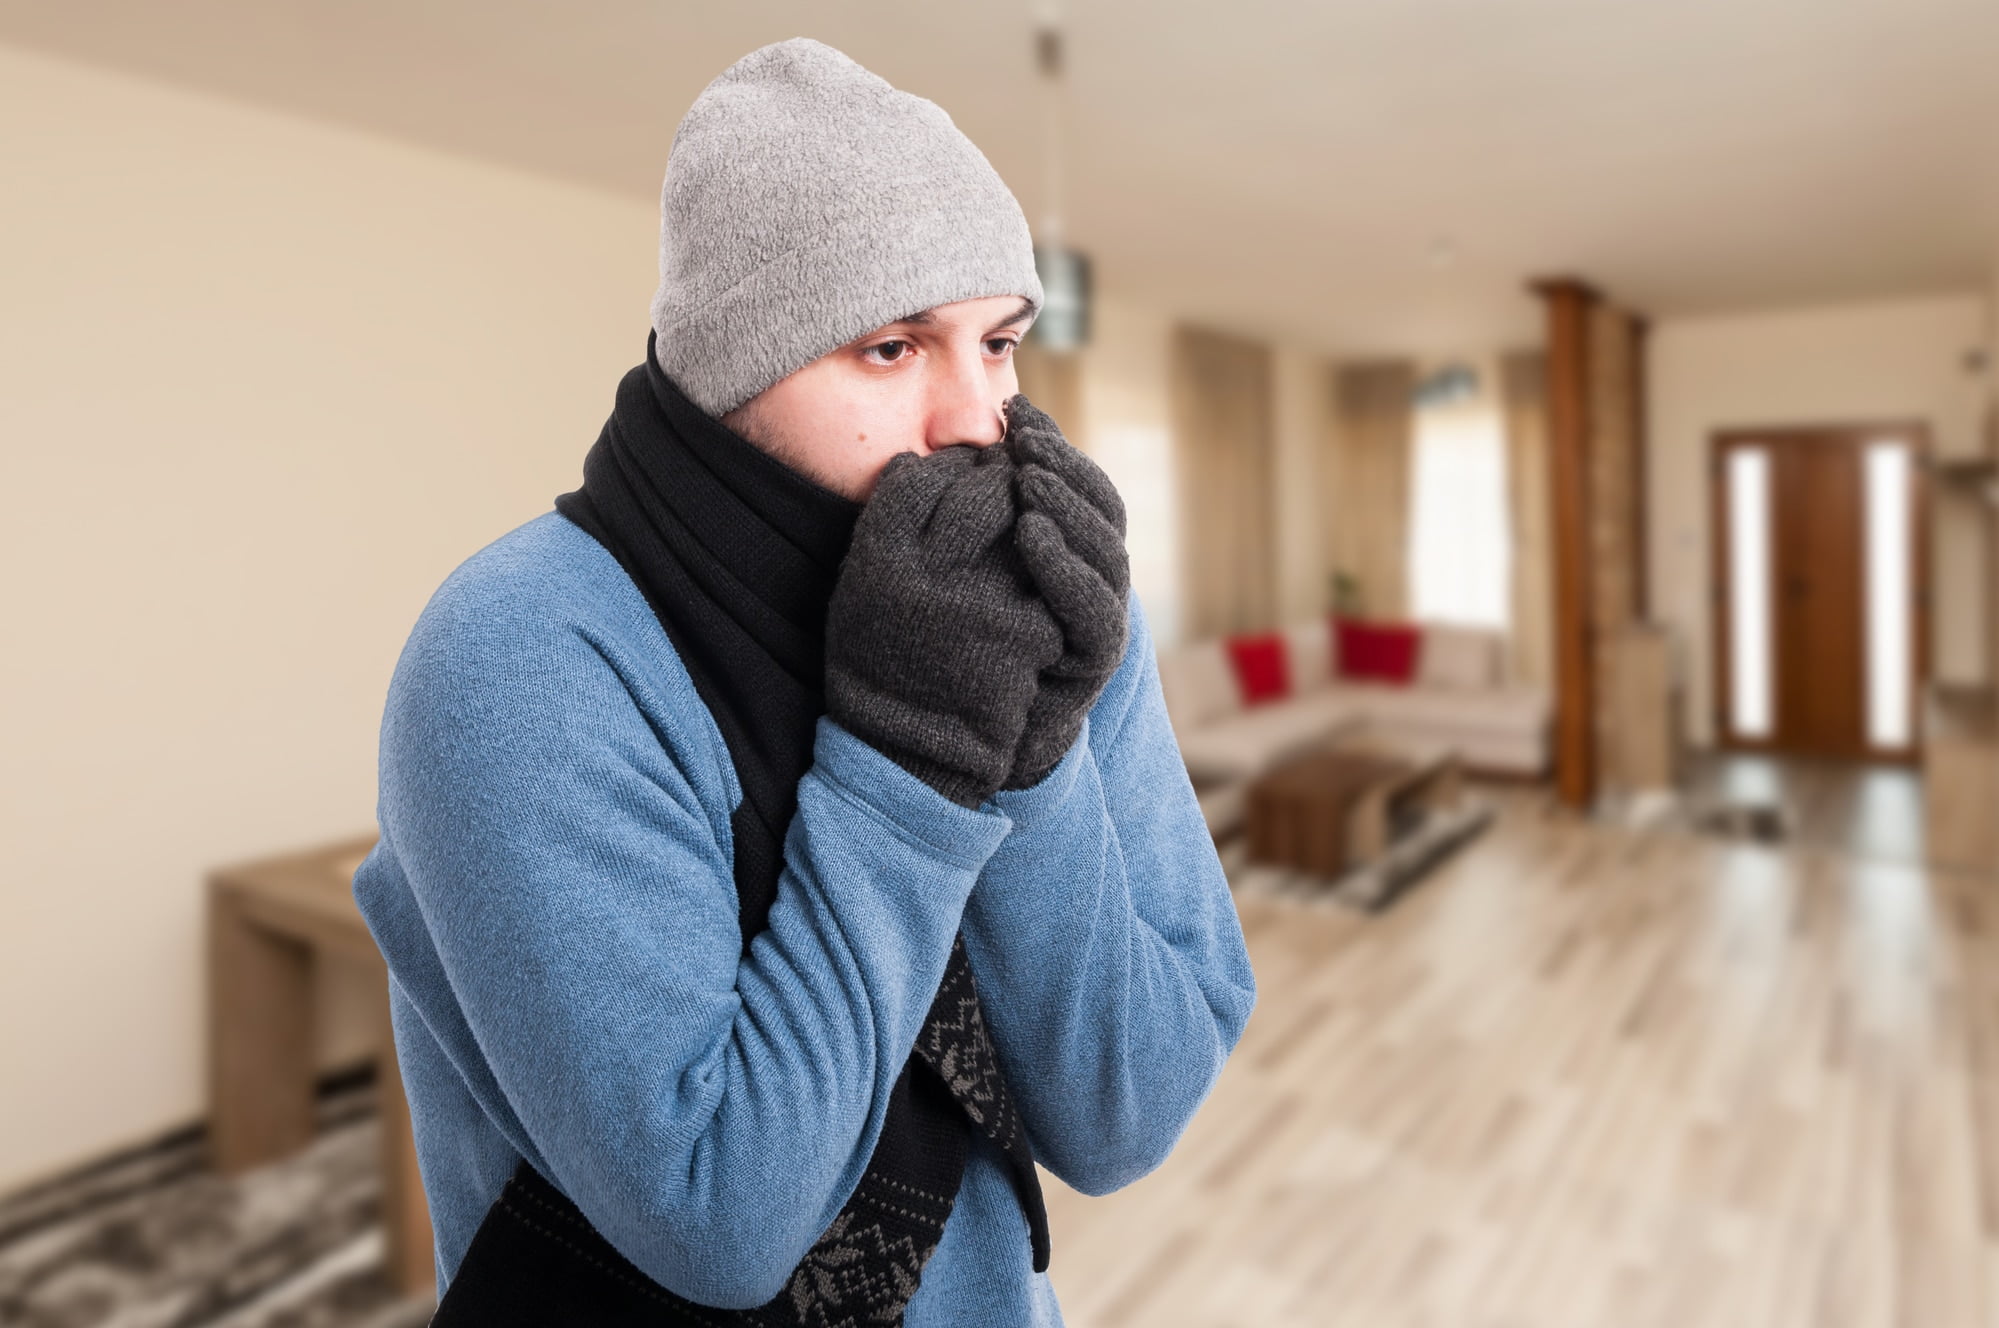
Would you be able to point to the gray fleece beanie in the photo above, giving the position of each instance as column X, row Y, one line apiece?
column 807, row 203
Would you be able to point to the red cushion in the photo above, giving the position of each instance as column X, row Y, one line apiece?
column 1378, row 651
column 1261, row 666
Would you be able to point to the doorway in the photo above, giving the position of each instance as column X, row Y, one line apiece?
column 1821, row 590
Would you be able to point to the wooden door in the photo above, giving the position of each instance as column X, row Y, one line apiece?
column 1821, row 697
column 1803, row 496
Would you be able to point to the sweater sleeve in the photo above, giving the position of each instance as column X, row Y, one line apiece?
column 554, row 892
column 1106, row 945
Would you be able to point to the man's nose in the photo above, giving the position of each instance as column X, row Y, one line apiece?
column 962, row 409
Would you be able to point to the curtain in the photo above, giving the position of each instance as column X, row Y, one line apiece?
column 1223, row 442
column 1053, row 381
column 1369, row 481
column 1523, row 379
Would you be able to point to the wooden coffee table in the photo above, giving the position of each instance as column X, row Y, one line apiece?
column 1339, row 807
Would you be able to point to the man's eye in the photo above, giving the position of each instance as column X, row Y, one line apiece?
column 1001, row 345
column 891, row 351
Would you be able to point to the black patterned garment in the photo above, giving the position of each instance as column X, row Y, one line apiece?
column 862, row 1271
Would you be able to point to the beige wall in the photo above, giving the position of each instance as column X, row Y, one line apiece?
column 1889, row 360
column 262, row 385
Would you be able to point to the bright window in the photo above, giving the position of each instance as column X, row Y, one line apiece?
column 1460, row 551
column 1890, row 671
column 1752, row 682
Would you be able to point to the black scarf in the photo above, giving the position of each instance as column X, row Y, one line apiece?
column 737, row 555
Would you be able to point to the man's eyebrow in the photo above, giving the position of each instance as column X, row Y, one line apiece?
column 927, row 317
column 1020, row 315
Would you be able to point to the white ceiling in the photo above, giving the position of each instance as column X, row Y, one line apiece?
column 1284, row 168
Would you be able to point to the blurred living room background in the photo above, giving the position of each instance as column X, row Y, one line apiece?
column 1563, row 481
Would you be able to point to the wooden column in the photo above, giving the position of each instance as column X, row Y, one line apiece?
column 1641, row 521
column 1569, row 305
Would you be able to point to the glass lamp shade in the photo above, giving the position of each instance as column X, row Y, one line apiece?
column 1064, row 321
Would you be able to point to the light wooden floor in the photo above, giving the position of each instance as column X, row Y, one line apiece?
column 1868, row 810
column 1593, row 1077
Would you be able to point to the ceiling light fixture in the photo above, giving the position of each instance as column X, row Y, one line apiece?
column 1064, row 322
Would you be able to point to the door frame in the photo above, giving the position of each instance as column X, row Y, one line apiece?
column 1720, row 605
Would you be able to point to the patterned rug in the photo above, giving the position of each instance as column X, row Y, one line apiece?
column 153, row 1239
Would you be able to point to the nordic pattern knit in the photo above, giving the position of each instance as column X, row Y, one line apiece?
column 553, row 894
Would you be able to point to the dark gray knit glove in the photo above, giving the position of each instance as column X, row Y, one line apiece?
column 935, row 638
column 1070, row 534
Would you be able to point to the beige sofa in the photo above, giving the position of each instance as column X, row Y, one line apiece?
column 1460, row 698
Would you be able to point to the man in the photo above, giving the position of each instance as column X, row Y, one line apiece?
column 783, row 844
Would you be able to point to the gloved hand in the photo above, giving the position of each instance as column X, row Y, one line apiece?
column 1070, row 535
column 935, row 638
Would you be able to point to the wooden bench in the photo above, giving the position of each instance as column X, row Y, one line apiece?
column 269, row 923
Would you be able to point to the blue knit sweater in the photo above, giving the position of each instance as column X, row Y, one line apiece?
column 553, row 893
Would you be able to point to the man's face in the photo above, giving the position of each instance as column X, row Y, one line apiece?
column 918, row 385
